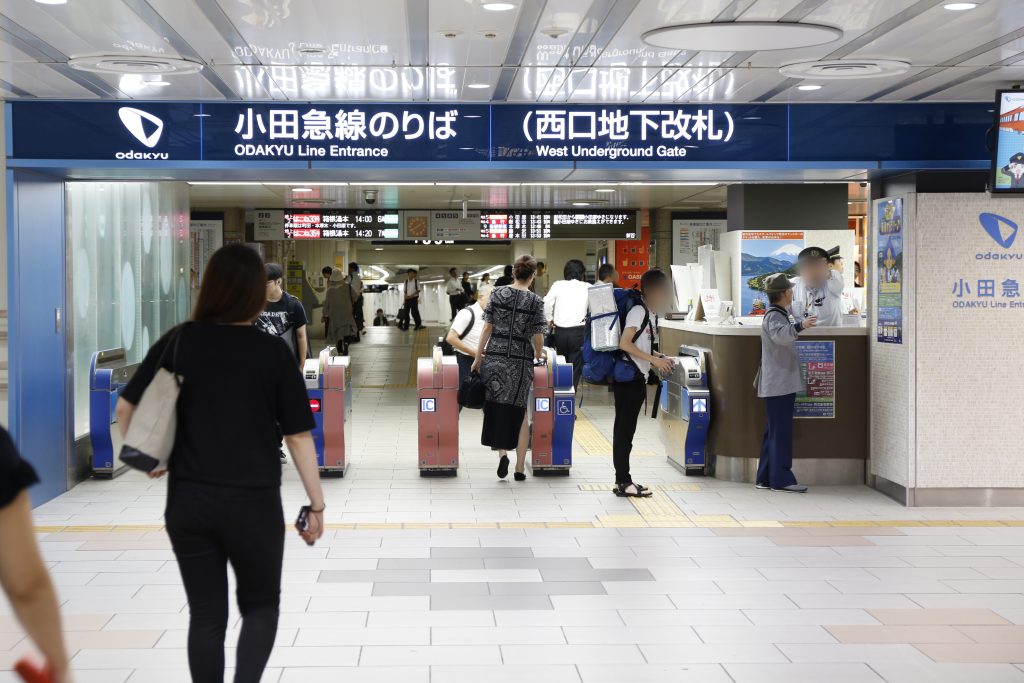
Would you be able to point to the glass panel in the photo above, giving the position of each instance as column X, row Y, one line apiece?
column 130, row 266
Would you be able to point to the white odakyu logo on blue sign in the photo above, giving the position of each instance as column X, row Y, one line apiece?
column 133, row 119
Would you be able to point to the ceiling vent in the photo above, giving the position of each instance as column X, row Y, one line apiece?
column 135, row 64
column 845, row 68
column 741, row 36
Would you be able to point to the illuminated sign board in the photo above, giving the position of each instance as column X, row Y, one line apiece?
column 306, row 224
column 548, row 224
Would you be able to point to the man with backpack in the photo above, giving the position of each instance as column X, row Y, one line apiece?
column 636, row 359
column 464, row 335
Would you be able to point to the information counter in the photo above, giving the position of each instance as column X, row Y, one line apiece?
column 830, row 444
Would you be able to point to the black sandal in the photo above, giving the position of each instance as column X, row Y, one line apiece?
column 641, row 491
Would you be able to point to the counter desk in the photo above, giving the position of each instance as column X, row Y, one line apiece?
column 826, row 449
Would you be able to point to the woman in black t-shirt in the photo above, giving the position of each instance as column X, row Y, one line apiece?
column 224, row 494
column 22, row 572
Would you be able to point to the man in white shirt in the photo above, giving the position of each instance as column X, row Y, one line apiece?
column 453, row 288
column 565, row 308
column 412, row 297
column 464, row 334
column 818, row 289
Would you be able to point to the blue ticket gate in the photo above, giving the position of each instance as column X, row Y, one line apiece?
column 329, row 386
column 554, row 415
column 109, row 373
column 685, row 413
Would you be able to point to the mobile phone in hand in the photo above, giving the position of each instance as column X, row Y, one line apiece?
column 302, row 522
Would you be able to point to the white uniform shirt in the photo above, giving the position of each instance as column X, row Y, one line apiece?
column 412, row 287
column 824, row 301
column 566, row 303
column 355, row 283
column 461, row 322
column 635, row 318
column 453, row 286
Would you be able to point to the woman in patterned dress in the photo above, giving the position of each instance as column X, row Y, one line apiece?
column 512, row 338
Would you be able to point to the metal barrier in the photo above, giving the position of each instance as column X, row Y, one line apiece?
column 329, row 386
column 109, row 372
column 554, row 416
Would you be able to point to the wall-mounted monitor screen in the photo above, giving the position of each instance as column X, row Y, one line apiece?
column 1008, row 159
column 367, row 224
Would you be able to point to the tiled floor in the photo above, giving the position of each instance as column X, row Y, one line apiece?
column 555, row 579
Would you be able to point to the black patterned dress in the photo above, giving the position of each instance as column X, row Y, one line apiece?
column 507, row 367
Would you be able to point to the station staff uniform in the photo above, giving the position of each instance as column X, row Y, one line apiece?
column 412, row 304
column 778, row 382
column 566, row 305
column 824, row 301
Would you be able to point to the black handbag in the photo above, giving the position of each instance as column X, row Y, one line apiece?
column 473, row 392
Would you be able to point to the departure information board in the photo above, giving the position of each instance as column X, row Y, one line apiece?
column 303, row 224
column 546, row 224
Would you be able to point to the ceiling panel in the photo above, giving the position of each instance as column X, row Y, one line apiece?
column 188, row 20
column 42, row 81
column 481, row 37
column 559, row 24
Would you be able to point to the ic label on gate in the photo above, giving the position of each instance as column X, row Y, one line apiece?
column 427, row 405
column 543, row 405
column 563, row 406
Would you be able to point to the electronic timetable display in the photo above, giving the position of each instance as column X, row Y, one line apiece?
column 562, row 224
column 370, row 224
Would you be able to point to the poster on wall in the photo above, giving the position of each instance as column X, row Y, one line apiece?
column 761, row 254
column 631, row 259
column 268, row 225
column 818, row 368
column 690, row 234
column 889, row 266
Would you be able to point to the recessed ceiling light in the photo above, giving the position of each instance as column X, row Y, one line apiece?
column 736, row 36
column 52, row 2
column 581, row 203
column 302, row 189
column 605, row 189
column 498, row 6
column 959, row 6
column 808, row 87
column 478, row 86
column 378, row 248
column 469, row 248
column 159, row 84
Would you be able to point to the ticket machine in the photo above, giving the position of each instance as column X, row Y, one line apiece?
column 437, row 382
column 109, row 372
column 329, row 386
column 686, row 411
column 554, row 415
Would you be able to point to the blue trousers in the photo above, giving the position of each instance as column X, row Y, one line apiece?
column 775, row 468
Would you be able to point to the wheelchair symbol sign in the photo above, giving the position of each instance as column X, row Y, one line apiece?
column 699, row 405
column 564, row 407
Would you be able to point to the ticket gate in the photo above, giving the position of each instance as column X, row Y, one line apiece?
column 686, row 411
column 109, row 373
column 329, row 386
column 437, row 382
column 554, row 416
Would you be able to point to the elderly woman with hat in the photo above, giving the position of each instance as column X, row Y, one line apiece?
column 778, row 381
column 338, row 311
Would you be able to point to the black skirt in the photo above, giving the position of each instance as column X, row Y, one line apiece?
column 502, row 423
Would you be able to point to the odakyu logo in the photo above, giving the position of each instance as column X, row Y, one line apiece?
column 137, row 121
column 1003, row 232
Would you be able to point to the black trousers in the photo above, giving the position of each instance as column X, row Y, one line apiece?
column 455, row 301
column 414, row 311
column 209, row 527
column 357, row 313
column 775, row 468
column 629, row 401
column 569, row 343
column 465, row 367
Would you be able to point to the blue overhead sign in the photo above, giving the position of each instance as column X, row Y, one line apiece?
column 673, row 134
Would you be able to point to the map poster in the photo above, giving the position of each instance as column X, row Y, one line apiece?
column 818, row 367
column 889, row 266
column 762, row 254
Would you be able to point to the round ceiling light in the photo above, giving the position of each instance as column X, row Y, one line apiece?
column 741, row 36
column 129, row 64
column 845, row 68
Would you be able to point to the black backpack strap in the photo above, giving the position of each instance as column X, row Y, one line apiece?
column 643, row 326
column 472, row 321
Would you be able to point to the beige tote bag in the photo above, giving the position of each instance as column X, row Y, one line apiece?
column 154, row 426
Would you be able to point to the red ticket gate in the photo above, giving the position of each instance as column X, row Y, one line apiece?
column 437, row 381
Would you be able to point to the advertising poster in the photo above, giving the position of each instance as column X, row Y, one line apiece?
column 889, row 266
column 689, row 234
column 1008, row 165
column 764, row 253
column 631, row 259
column 269, row 225
column 818, row 367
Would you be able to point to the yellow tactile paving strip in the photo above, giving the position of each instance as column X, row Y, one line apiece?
column 589, row 437
column 420, row 349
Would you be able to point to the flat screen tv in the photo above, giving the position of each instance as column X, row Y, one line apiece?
column 1008, row 155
